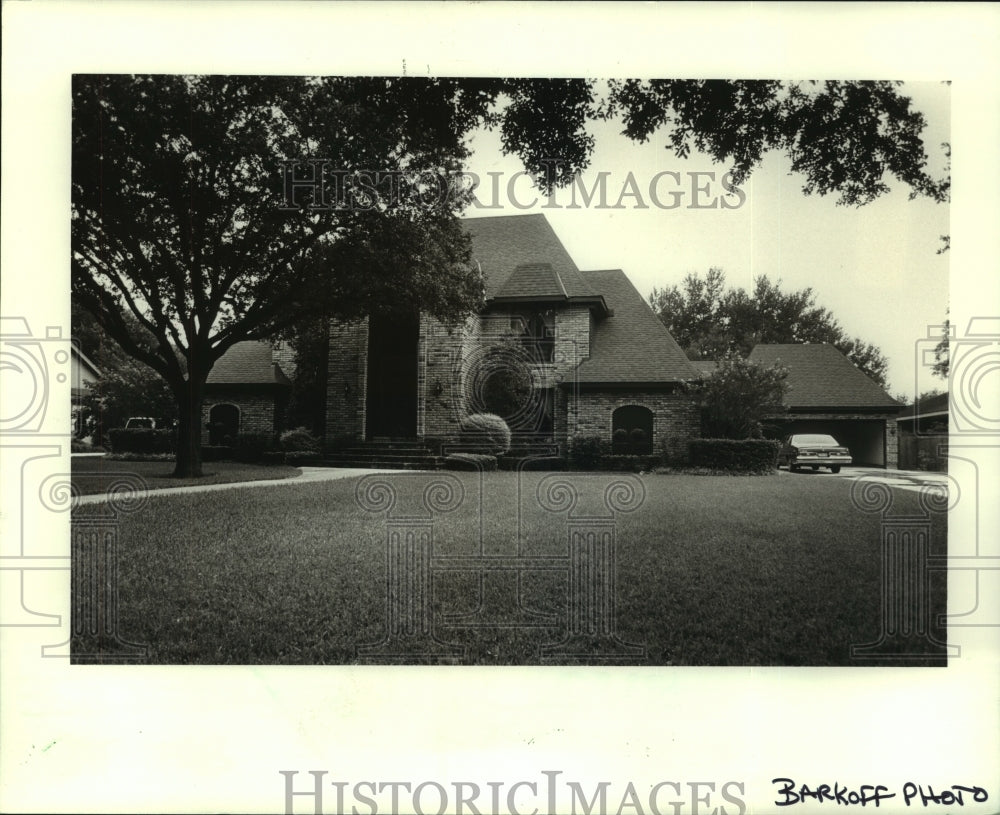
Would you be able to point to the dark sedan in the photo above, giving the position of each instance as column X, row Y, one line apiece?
column 813, row 450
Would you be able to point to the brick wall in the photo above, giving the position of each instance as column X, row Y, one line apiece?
column 676, row 418
column 448, row 363
column 346, row 380
column 445, row 361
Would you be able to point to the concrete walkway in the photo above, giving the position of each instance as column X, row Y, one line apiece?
column 310, row 475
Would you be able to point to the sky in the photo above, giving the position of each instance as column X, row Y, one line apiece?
column 876, row 267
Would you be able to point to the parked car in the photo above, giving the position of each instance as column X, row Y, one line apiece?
column 140, row 422
column 813, row 450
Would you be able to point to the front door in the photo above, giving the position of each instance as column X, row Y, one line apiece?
column 392, row 376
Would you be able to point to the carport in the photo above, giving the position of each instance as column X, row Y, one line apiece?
column 828, row 394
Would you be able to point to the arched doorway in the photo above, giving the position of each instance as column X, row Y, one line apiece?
column 223, row 424
column 632, row 431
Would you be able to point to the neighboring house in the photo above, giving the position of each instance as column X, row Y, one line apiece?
column 928, row 416
column 82, row 373
column 923, row 434
column 246, row 392
column 828, row 394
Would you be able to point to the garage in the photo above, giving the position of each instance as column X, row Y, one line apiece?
column 865, row 438
column 828, row 394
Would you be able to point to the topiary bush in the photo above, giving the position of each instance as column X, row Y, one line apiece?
column 585, row 452
column 736, row 455
column 299, row 440
column 487, row 431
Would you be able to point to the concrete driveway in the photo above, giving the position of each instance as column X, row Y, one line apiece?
column 903, row 479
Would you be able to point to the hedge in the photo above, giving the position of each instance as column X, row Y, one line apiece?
column 470, row 461
column 735, row 455
column 142, row 440
column 585, row 452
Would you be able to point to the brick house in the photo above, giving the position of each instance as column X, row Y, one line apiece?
column 599, row 360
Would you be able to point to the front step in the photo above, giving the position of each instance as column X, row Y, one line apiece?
column 395, row 454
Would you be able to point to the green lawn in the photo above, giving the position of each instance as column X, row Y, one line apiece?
column 710, row 571
column 92, row 475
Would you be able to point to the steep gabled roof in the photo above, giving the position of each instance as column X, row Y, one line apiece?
column 502, row 244
column 820, row 376
column 632, row 345
column 247, row 363
column 533, row 280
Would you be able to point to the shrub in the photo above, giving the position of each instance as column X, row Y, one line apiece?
column 142, row 440
column 299, row 440
column 585, row 452
column 470, row 461
column 272, row 458
column 249, row 448
column 742, row 455
column 487, row 431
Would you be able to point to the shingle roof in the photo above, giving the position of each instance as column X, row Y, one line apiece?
column 931, row 406
column 247, row 363
column 820, row 376
column 502, row 243
column 632, row 345
column 537, row 280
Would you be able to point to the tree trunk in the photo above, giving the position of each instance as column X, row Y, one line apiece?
column 189, row 403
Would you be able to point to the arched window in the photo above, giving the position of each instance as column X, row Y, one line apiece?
column 632, row 430
column 223, row 424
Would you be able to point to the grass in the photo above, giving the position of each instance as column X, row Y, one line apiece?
column 710, row 571
column 92, row 475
